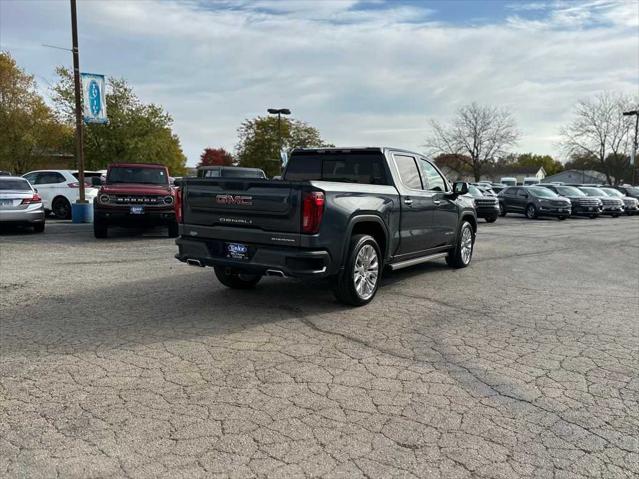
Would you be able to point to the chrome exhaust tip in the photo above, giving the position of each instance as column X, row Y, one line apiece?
column 275, row 272
column 194, row 262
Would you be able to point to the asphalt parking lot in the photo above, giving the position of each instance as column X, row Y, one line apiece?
column 119, row 361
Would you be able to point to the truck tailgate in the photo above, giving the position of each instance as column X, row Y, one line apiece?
column 271, row 206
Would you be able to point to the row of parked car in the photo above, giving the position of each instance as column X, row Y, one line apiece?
column 30, row 198
column 554, row 200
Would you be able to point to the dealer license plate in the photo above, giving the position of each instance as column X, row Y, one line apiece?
column 137, row 210
column 236, row 251
column 6, row 202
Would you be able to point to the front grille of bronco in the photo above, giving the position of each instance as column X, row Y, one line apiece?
column 145, row 200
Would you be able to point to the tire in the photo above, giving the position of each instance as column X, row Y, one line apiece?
column 357, row 284
column 502, row 209
column 61, row 208
column 236, row 279
column 492, row 219
column 561, row 218
column 100, row 229
column 173, row 230
column 38, row 227
column 531, row 212
column 460, row 257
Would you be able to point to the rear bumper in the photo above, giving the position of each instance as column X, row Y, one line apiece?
column 290, row 261
column 123, row 217
column 30, row 215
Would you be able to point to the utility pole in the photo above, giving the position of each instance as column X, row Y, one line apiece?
column 633, row 154
column 78, row 102
column 279, row 112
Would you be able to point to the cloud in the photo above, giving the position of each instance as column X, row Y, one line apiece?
column 362, row 73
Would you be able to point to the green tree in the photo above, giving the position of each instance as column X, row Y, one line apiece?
column 258, row 145
column 136, row 132
column 29, row 131
column 550, row 165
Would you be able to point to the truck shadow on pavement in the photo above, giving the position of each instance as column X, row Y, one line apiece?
column 178, row 306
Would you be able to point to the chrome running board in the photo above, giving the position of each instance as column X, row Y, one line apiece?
column 414, row 261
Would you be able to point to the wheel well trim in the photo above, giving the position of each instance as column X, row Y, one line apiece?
column 364, row 218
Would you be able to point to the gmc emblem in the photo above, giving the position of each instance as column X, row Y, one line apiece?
column 234, row 200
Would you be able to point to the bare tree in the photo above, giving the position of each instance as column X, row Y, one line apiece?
column 599, row 129
column 480, row 133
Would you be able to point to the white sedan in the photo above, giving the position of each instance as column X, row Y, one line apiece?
column 59, row 189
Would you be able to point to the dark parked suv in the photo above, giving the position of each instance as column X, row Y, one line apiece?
column 533, row 201
column 611, row 206
column 582, row 204
column 486, row 206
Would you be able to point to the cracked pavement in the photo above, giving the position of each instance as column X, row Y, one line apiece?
column 119, row 361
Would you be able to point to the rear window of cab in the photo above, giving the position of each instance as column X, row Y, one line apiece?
column 347, row 167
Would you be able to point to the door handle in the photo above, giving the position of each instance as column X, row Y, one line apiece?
column 408, row 201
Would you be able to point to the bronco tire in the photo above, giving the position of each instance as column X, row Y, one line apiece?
column 357, row 284
column 100, row 229
column 462, row 254
column 236, row 279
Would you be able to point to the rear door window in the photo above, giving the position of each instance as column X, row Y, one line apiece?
column 408, row 171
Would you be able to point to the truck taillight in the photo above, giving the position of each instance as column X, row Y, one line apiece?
column 312, row 211
column 178, row 205
column 34, row 199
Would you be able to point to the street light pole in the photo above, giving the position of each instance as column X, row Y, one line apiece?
column 279, row 112
column 78, row 103
column 633, row 155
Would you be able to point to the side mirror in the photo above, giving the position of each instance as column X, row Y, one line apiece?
column 96, row 181
column 460, row 188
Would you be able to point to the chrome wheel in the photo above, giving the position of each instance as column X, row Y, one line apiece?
column 466, row 245
column 366, row 272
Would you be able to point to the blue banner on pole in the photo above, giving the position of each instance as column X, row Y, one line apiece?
column 94, row 98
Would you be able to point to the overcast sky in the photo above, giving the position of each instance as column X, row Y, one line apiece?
column 363, row 72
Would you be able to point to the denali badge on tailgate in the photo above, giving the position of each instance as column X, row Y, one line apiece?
column 234, row 200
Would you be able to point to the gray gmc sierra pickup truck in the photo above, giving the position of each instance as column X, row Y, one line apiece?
column 345, row 213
